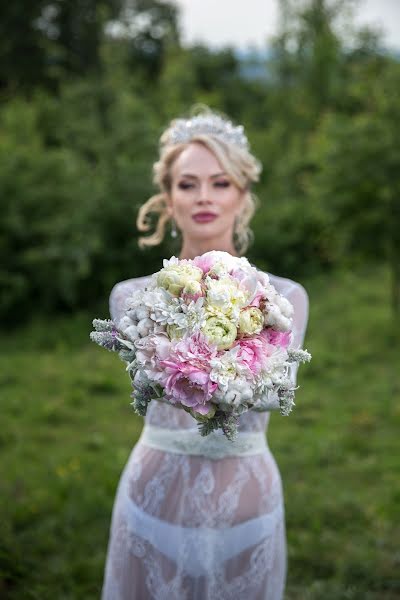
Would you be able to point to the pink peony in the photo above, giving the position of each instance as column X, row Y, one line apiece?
column 204, row 262
column 276, row 338
column 247, row 279
column 253, row 352
column 186, row 373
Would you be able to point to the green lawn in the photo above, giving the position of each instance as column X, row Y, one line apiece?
column 67, row 429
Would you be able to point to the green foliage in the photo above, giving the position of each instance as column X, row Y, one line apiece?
column 76, row 156
column 69, row 179
column 47, row 197
column 357, row 159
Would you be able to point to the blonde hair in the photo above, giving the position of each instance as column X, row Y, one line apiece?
column 240, row 165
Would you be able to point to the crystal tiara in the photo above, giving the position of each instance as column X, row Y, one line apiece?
column 183, row 130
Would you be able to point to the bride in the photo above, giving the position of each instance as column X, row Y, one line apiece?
column 188, row 524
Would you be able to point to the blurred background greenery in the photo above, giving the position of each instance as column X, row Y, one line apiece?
column 86, row 88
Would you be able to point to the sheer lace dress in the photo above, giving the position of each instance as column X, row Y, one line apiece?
column 186, row 526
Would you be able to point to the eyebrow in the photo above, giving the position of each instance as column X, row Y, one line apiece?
column 195, row 176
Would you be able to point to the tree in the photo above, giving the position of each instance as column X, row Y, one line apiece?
column 357, row 159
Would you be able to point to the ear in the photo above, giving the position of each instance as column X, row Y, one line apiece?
column 242, row 201
column 168, row 201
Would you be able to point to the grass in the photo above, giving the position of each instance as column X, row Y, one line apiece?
column 67, row 430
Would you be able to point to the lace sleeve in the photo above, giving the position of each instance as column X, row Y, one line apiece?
column 120, row 293
column 298, row 296
column 118, row 296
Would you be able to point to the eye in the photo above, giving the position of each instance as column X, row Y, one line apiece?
column 223, row 184
column 184, row 185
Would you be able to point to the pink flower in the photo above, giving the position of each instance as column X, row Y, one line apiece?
column 188, row 298
column 253, row 352
column 204, row 262
column 257, row 299
column 186, row 373
column 247, row 278
column 276, row 338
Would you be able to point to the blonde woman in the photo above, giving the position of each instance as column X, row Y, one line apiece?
column 192, row 522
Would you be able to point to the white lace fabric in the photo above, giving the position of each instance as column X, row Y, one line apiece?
column 190, row 526
column 213, row 446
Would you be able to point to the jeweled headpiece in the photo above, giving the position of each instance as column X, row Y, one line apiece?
column 183, row 130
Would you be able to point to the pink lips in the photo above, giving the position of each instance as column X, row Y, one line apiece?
column 204, row 217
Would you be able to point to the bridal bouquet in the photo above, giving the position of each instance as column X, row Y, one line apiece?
column 210, row 335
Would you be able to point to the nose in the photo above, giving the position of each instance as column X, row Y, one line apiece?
column 204, row 194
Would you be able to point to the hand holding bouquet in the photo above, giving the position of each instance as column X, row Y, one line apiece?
column 210, row 335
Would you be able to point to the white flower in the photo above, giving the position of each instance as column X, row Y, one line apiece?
column 219, row 268
column 230, row 262
column 220, row 331
column 175, row 277
column 164, row 307
column 225, row 295
column 145, row 326
column 132, row 332
column 274, row 370
column 274, row 318
column 236, row 394
column 251, row 320
column 226, row 368
column 192, row 287
column 194, row 315
column 142, row 312
column 284, row 305
column 124, row 323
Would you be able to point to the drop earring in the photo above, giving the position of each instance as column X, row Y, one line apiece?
column 174, row 232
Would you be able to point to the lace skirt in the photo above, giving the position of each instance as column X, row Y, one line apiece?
column 197, row 519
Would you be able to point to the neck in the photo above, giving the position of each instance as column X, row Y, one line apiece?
column 197, row 247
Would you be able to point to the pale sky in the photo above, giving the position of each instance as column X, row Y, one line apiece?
column 241, row 24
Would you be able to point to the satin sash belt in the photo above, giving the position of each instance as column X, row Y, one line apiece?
column 215, row 445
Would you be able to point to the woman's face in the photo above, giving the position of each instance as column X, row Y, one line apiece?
column 203, row 200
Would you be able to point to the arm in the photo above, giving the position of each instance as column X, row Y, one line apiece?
column 298, row 296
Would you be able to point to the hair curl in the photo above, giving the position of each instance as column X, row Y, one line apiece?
column 242, row 167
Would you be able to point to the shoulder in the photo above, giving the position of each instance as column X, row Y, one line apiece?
column 128, row 285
